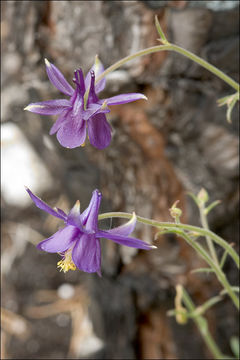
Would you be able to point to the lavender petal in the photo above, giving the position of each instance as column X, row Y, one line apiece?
column 58, row 80
column 72, row 133
column 50, row 107
column 89, row 217
column 60, row 241
column 125, row 98
column 125, row 240
column 99, row 131
column 126, row 229
column 43, row 206
column 74, row 216
column 98, row 70
column 86, row 254
column 59, row 122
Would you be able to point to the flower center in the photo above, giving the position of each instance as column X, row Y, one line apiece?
column 66, row 263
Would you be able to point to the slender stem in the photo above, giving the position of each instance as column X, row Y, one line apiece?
column 219, row 273
column 202, row 325
column 207, row 66
column 179, row 50
column 209, row 240
column 196, row 229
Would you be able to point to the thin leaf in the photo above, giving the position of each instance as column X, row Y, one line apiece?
column 230, row 101
column 223, row 259
column 234, row 344
column 234, row 288
column 202, row 270
column 230, row 109
column 211, row 206
column 200, row 310
column 195, row 199
column 160, row 31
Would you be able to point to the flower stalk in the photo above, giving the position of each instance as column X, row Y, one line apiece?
column 169, row 225
column 213, row 69
column 179, row 229
column 202, row 325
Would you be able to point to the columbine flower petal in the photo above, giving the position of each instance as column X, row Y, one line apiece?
column 62, row 240
column 72, row 133
column 58, row 80
column 74, row 216
column 98, row 70
column 43, row 206
column 59, row 122
column 50, row 107
column 125, row 229
column 125, row 240
column 99, row 131
column 86, row 253
column 125, row 98
column 89, row 217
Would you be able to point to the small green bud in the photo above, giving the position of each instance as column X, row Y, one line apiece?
column 202, row 196
column 175, row 212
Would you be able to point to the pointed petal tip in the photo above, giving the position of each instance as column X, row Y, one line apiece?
column 47, row 62
column 30, row 107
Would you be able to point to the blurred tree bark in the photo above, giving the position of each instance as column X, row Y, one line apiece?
column 177, row 141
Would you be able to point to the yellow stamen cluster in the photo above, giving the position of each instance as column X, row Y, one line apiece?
column 66, row 263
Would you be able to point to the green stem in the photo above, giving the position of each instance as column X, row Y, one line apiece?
column 207, row 66
column 219, row 273
column 209, row 240
column 179, row 50
column 196, row 229
column 202, row 325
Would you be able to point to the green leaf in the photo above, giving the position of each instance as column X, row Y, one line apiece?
column 230, row 101
column 195, row 199
column 211, row 206
column 160, row 31
column 234, row 288
column 200, row 310
column 202, row 270
column 223, row 259
column 234, row 344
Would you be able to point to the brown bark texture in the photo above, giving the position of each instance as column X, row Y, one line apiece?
column 177, row 141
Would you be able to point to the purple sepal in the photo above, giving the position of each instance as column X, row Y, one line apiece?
column 50, row 107
column 86, row 254
column 98, row 70
column 89, row 217
column 58, row 80
column 124, row 240
column 61, row 241
column 43, row 206
column 99, row 131
column 124, row 98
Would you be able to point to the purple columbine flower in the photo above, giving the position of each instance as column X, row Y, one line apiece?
column 74, row 118
column 79, row 241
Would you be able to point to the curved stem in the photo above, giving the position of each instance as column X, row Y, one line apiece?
column 202, row 325
column 209, row 240
column 179, row 50
column 219, row 273
column 196, row 229
column 207, row 66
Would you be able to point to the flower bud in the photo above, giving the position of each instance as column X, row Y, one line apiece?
column 175, row 212
column 202, row 196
